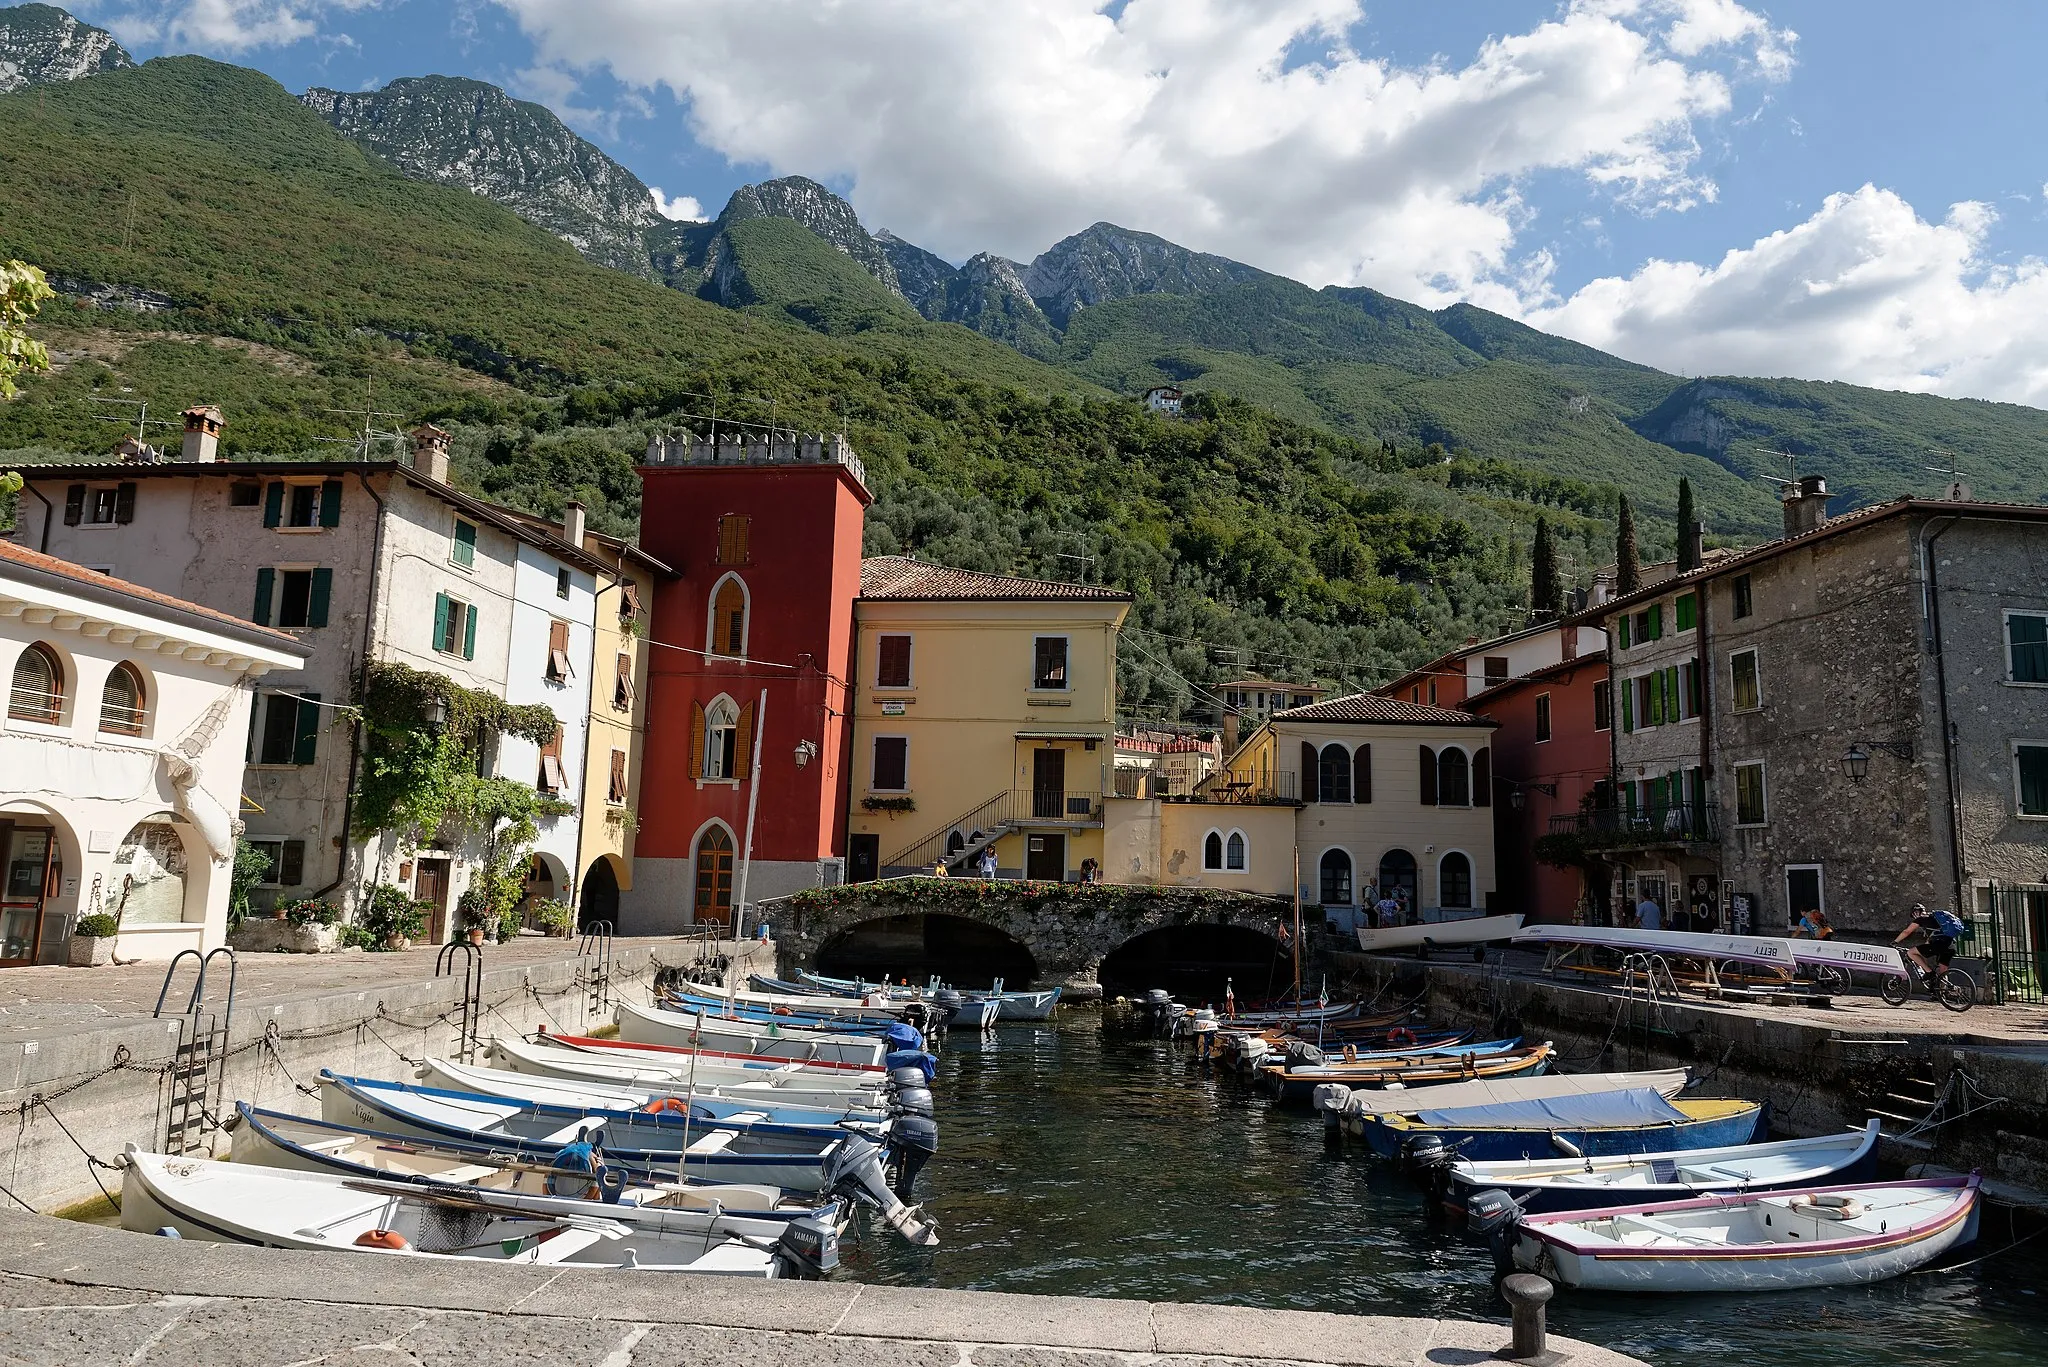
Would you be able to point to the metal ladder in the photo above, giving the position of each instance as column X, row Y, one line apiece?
column 470, row 1019
column 597, row 944
column 200, row 1063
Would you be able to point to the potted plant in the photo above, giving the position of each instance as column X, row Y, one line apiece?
column 393, row 919
column 92, row 940
column 473, row 912
column 556, row 918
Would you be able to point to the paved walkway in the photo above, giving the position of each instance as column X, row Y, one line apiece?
column 85, row 1296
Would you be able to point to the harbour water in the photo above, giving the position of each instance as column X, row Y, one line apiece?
column 1076, row 1162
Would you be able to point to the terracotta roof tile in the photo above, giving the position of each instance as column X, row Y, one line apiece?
column 1372, row 707
column 902, row 578
column 103, row 583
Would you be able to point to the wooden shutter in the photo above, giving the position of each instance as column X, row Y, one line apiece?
column 1482, row 777
column 273, row 504
column 1310, row 767
column 1628, row 705
column 732, row 539
column 306, row 743
column 330, row 503
column 743, row 744
column 323, row 589
column 1428, row 760
column 622, row 697
column 465, row 543
column 469, row 631
column 74, row 505
column 696, row 740
column 124, row 503
column 1656, row 631
column 558, row 651
column 892, row 763
column 1624, row 631
column 441, row 604
column 618, row 790
column 1361, row 774
column 266, row 580
column 892, row 669
column 291, row 869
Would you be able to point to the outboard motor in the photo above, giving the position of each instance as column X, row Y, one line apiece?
column 913, row 1101
column 906, row 1077
column 914, row 1139
column 1155, row 1006
column 920, row 1016
column 1494, row 1216
column 901, row 1036
column 912, row 1058
column 1302, row 1054
column 856, row 1171
column 1428, row 1160
column 808, row 1247
column 1330, row 1099
column 948, row 1002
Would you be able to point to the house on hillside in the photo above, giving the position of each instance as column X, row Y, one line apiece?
column 1164, row 400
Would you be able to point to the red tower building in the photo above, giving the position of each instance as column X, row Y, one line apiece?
column 751, row 648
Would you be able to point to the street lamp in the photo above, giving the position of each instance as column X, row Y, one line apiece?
column 1856, row 763
column 1517, row 800
column 805, row 753
column 437, row 711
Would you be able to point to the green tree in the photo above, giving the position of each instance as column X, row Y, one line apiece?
column 1628, row 562
column 1685, row 520
column 22, row 292
column 1546, row 588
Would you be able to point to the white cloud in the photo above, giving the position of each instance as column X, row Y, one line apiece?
column 972, row 127
column 1864, row 290
column 227, row 26
column 683, row 208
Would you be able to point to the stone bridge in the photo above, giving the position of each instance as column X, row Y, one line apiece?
column 1069, row 928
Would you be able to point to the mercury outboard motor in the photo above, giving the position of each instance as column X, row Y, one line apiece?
column 1428, row 1160
column 912, row 1058
column 913, row 1141
column 1494, row 1216
column 808, row 1248
column 920, row 1016
column 855, row 1170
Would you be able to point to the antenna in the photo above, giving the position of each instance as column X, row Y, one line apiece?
column 140, row 415
column 1957, row 491
column 1791, row 460
column 366, row 440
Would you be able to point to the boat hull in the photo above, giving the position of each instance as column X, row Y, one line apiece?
column 645, row 1025
column 1712, row 1131
column 1478, row 930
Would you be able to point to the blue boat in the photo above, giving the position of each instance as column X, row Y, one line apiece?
column 1639, row 1120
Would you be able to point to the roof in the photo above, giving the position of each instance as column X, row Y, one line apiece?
column 1597, row 658
column 1437, row 665
column 506, row 520
column 631, row 550
column 1371, row 707
column 1270, row 684
column 1834, row 526
column 901, row 578
column 20, row 562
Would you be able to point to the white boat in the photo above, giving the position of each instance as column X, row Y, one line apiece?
column 743, row 999
column 1460, row 933
column 1016, row 1005
column 1546, row 1184
column 1756, row 1241
column 790, row 1084
column 647, row 1025
column 1772, row 951
column 1354, row 1107
column 278, row 1208
column 614, row 1096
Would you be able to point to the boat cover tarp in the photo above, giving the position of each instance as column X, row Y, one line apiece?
column 1600, row 1110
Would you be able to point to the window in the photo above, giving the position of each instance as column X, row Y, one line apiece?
column 1603, row 706
column 1739, row 593
column 1302, row 700
column 1361, row 774
column 302, row 505
column 561, row 583
column 102, row 507
column 1049, row 663
column 1648, row 625
column 732, row 539
column 454, row 627
column 1335, row 871
column 121, row 702
column 1689, row 688
column 551, row 778
column 2026, row 641
column 2030, row 776
column 1212, row 851
column 37, row 693
column 892, row 764
column 616, row 792
column 245, row 493
column 1333, row 774
column 1685, row 612
column 622, row 691
column 729, row 618
column 1749, row 795
column 1454, row 881
column 721, row 740
column 1496, row 670
column 1432, row 692
column 892, row 662
column 462, row 544
column 291, row 728
column 1745, row 686
column 1233, row 852
column 1542, row 717
column 558, row 670
column 629, row 602
column 99, row 506
column 1453, row 778
column 302, row 597
column 287, row 863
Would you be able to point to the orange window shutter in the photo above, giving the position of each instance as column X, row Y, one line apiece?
column 696, row 740
column 558, row 635
column 743, row 745
column 618, row 775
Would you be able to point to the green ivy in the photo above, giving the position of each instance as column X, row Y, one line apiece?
column 418, row 774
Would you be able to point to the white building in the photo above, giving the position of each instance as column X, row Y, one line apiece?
column 551, row 662
column 121, row 758
column 1164, row 399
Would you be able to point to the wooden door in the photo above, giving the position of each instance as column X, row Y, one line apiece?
column 1045, row 857
column 714, row 877
column 430, row 885
column 1048, row 784
column 863, row 858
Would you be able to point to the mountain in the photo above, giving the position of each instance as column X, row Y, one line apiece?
column 43, row 45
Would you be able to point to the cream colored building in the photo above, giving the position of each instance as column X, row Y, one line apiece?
column 984, row 714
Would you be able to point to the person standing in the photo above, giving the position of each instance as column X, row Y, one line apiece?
column 988, row 861
column 1386, row 912
column 1649, row 916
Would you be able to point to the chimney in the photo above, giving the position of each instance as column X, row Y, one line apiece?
column 1697, row 535
column 572, row 524
column 1229, row 734
column 430, row 452
column 202, row 435
column 1806, row 504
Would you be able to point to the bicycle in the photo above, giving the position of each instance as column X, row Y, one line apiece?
column 1953, row 990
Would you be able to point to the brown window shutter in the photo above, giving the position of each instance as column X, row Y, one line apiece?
column 893, row 667
column 743, row 743
column 1361, row 774
column 1428, row 777
column 1311, row 764
column 696, row 740
column 618, row 775
column 1482, row 777
column 558, row 635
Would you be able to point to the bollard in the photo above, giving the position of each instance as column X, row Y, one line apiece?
column 1526, row 1295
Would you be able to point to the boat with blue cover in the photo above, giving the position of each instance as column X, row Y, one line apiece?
column 1636, row 1121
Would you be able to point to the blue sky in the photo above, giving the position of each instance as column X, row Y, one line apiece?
column 1585, row 165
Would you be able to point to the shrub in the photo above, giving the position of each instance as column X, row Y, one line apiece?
column 98, row 926
column 308, row 911
column 391, row 913
column 555, row 917
column 356, row 937
column 509, row 923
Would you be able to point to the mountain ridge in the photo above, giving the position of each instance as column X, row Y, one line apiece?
column 44, row 45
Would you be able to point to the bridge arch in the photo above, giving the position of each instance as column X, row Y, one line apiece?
column 962, row 951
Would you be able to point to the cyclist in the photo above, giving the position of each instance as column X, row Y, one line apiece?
column 1813, row 925
column 1942, row 927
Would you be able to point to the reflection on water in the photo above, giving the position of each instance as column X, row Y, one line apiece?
column 1079, row 1163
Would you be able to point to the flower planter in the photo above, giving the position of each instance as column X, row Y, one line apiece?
column 91, row 951
column 282, row 937
column 476, row 935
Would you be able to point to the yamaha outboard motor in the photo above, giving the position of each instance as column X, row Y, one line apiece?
column 906, row 1077
column 948, row 1003
column 808, row 1247
column 1492, row 1215
column 855, row 1170
column 912, row 1101
column 920, row 1016
column 1155, row 1006
column 913, row 1140
column 912, row 1058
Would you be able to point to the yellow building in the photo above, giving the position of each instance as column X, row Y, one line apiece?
column 984, row 714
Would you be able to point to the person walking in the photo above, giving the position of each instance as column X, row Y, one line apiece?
column 1813, row 925
column 988, row 861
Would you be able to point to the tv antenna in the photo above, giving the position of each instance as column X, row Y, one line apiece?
column 1957, row 491
column 367, row 438
column 138, row 414
column 1791, row 459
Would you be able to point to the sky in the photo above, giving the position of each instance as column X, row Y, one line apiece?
column 1830, row 189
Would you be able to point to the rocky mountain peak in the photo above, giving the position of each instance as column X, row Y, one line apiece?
column 44, row 45
column 1103, row 262
column 804, row 201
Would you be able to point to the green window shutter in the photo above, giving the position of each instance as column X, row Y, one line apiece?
column 1671, row 709
column 266, row 578
column 1656, row 631
column 1653, row 707
column 323, row 587
column 330, row 503
column 465, row 543
column 255, row 716
column 1628, row 797
column 1628, row 705
column 307, row 744
column 440, row 619
column 469, row 633
column 1687, row 610
column 1624, row 631
column 124, row 503
column 273, row 504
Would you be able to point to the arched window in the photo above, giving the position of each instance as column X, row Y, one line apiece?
column 1453, row 778
column 1336, row 878
column 1233, row 852
column 714, row 875
column 721, row 739
column 729, row 618
column 1333, row 774
column 121, row 702
column 1397, row 878
column 1454, row 881
column 37, row 693
column 955, row 842
column 1212, row 850
column 149, row 875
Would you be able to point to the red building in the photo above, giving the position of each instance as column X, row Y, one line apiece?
column 1550, row 755
column 751, row 647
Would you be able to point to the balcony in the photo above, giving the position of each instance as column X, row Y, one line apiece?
column 1254, row 788
column 1673, row 824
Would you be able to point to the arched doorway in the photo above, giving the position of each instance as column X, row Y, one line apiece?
column 962, row 952
column 600, row 897
column 1195, row 962
column 1397, row 879
column 713, row 883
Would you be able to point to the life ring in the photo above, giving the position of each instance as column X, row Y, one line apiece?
column 781, row 1011
column 1351, row 1053
column 382, row 1238
column 1400, row 1034
column 666, row 1105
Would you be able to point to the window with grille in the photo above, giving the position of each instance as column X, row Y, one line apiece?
column 892, row 662
column 37, row 691
column 122, row 711
column 1049, row 663
column 733, row 533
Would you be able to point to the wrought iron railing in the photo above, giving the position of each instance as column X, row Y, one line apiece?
column 1675, row 821
column 1001, row 813
column 1254, row 788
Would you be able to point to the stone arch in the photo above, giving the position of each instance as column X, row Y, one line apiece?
column 1198, row 960
column 960, row 950
column 598, row 898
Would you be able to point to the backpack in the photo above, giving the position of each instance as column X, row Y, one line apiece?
column 1949, row 924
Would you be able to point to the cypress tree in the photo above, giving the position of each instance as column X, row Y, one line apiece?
column 1546, row 592
column 1628, row 565
column 1685, row 521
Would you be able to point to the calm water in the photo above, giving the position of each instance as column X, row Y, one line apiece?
column 1082, row 1163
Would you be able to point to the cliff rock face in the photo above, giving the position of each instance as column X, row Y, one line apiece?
column 988, row 295
column 1106, row 262
column 43, row 45
column 805, row 201
column 468, row 134
column 921, row 276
